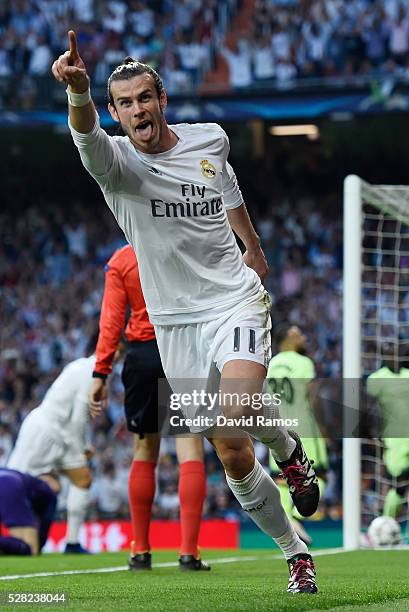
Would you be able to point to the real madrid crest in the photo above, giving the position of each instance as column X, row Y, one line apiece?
column 208, row 170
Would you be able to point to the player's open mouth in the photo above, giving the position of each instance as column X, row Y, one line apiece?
column 144, row 130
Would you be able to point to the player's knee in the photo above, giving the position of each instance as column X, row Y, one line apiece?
column 236, row 458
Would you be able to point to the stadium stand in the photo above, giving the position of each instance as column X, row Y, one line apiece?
column 179, row 37
column 326, row 42
column 211, row 46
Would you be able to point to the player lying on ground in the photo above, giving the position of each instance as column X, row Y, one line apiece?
column 141, row 372
column 291, row 372
column 390, row 386
column 176, row 198
column 27, row 507
column 53, row 439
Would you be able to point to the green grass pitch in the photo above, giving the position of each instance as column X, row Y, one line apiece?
column 239, row 580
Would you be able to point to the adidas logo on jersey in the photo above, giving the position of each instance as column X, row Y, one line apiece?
column 154, row 170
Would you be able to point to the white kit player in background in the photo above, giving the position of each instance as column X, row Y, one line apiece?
column 53, row 439
column 176, row 198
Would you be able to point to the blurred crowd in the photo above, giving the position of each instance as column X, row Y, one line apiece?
column 178, row 37
column 51, row 281
column 284, row 41
column 305, row 39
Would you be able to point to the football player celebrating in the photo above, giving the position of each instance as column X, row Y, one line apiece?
column 291, row 372
column 390, row 386
column 176, row 198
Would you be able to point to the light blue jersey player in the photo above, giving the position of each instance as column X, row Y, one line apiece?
column 291, row 373
column 390, row 386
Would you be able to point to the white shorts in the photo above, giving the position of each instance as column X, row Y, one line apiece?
column 41, row 448
column 199, row 351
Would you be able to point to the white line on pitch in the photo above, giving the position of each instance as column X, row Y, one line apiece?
column 122, row 568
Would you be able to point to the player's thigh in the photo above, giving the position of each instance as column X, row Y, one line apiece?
column 74, row 460
column 145, row 405
column 181, row 352
column 241, row 388
column 241, row 375
column 188, row 366
column 39, row 448
column 243, row 336
column 241, row 349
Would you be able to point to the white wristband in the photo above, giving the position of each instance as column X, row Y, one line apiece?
column 79, row 99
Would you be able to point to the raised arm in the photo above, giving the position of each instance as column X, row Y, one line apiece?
column 242, row 226
column 69, row 68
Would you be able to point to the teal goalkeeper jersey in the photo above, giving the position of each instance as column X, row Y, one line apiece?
column 289, row 374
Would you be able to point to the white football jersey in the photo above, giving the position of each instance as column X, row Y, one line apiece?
column 66, row 401
column 171, row 207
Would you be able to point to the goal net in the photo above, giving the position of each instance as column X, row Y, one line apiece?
column 376, row 345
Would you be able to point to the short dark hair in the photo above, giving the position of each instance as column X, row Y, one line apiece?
column 280, row 332
column 130, row 68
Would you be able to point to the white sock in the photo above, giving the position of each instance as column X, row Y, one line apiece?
column 77, row 504
column 259, row 496
column 290, row 543
column 276, row 438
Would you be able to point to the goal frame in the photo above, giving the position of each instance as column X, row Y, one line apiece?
column 351, row 361
column 393, row 201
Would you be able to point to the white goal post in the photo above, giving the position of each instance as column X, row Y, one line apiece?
column 384, row 209
column 351, row 359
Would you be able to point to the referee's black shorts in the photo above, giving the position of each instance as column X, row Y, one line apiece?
column 141, row 372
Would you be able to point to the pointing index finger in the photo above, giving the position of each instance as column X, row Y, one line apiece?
column 73, row 44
